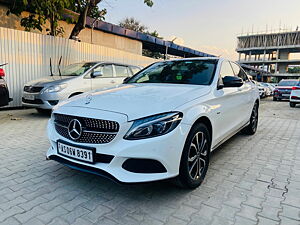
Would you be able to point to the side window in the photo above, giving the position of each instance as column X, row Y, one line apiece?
column 226, row 70
column 239, row 72
column 106, row 70
column 122, row 71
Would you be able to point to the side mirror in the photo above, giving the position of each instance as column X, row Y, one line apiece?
column 125, row 80
column 232, row 81
column 96, row 74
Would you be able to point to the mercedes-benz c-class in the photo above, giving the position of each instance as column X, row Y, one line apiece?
column 162, row 123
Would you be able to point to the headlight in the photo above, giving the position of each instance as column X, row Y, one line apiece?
column 55, row 88
column 154, row 126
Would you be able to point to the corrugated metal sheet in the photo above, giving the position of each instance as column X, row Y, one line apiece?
column 28, row 56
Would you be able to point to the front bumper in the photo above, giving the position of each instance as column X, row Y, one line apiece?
column 166, row 150
column 43, row 100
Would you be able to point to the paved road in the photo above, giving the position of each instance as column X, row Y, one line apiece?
column 251, row 180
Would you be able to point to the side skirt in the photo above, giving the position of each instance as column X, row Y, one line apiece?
column 230, row 136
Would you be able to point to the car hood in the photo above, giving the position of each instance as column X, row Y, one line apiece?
column 139, row 100
column 49, row 80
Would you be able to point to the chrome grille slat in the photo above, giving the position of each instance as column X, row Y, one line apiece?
column 94, row 131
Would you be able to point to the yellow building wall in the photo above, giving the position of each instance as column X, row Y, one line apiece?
column 87, row 35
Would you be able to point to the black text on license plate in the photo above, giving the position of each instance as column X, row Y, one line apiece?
column 78, row 153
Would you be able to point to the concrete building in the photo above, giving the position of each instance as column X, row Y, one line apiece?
column 270, row 52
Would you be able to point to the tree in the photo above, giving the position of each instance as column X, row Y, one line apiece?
column 85, row 7
column 133, row 24
column 40, row 11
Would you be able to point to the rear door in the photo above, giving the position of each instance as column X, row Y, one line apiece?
column 106, row 80
column 4, row 94
column 121, row 72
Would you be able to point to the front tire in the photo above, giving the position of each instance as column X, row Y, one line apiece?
column 195, row 158
column 252, row 127
column 292, row 104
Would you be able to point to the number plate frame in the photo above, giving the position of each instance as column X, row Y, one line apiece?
column 29, row 97
column 93, row 150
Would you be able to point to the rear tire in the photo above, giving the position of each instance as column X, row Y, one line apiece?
column 274, row 99
column 252, row 127
column 292, row 104
column 195, row 158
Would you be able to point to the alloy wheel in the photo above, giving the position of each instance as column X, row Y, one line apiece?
column 254, row 118
column 198, row 156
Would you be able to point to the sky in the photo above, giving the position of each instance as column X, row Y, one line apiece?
column 210, row 26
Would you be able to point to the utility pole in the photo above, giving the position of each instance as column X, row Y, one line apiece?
column 166, row 54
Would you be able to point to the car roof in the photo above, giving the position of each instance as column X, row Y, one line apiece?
column 193, row 58
column 108, row 62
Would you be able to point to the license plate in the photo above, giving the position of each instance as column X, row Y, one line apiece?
column 29, row 97
column 286, row 95
column 75, row 152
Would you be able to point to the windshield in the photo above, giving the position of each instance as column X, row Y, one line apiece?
column 76, row 69
column 200, row 72
column 288, row 83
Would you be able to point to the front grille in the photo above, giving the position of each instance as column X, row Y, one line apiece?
column 35, row 101
column 32, row 89
column 94, row 131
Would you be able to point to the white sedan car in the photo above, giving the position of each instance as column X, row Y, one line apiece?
column 162, row 123
column 295, row 95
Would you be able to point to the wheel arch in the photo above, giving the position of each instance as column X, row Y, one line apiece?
column 206, row 121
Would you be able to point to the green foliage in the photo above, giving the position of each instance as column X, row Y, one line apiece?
column 40, row 11
column 148, row 3
column 133, row 24
column 295, row 69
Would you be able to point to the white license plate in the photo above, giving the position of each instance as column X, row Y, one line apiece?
column 29, row 97
column 286, row 95
column 78, row 153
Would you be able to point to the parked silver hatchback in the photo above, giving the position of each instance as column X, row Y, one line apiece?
column 74, row 79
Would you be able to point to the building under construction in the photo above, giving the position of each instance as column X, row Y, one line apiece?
column 271, row 53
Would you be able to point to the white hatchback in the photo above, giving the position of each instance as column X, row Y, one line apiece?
column 295, row 95
column 162, row 123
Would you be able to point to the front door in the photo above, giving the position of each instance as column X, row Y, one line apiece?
column 230, row 106
column 106, row 80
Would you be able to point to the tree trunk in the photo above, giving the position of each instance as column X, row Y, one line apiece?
column 81, row 22
column 80, row 25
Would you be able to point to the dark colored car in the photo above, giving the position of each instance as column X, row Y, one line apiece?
column 283, row 89
column 4, row 93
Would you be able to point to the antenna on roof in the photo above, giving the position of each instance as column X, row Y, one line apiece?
column 51, row 73
column 59, row 62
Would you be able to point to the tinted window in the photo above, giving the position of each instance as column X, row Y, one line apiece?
column 106, row 70
column 226, row 69
column 199, row 72
column 288, row 83
column 239, row 72
column 122, row 71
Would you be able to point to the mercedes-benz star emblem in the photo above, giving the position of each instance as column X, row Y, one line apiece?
column 75, row 129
